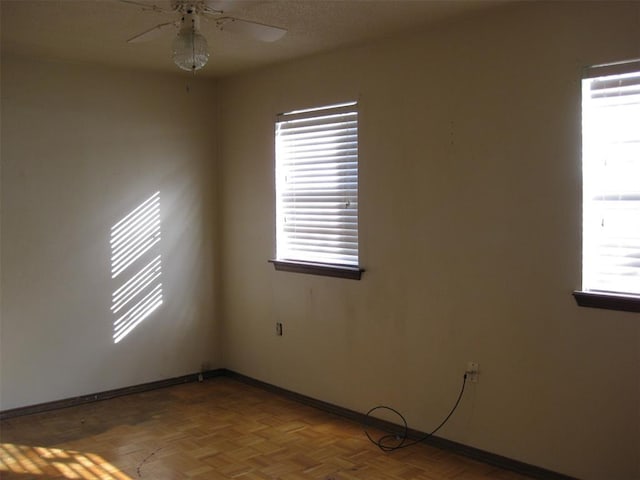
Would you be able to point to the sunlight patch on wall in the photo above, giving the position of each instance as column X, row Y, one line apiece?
column 134, row 243
column 135, row 234
column 56, row 463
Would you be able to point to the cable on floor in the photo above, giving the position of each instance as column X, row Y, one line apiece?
column 394, row 441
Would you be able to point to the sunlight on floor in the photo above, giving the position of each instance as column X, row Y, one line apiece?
column 55, row 462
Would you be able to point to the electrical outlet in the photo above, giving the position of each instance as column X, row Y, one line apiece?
column 279, row 329
column 473, row 372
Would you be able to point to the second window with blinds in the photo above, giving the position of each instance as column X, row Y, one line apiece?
column 611, row 187
column 317, row 191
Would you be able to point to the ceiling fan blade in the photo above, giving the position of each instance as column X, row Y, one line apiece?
column 218, row 6
column 152, row 33
column 146, row 6
column 259, row 31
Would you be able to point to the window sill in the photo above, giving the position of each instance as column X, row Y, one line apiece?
column 609, row 301
column 339, row 271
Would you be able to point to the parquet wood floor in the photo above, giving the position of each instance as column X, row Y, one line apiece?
column 217, row 429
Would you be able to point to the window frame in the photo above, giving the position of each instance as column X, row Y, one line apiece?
column 594, row 298
column 314, row 266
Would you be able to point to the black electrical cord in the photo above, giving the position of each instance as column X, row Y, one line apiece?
column 391, row 442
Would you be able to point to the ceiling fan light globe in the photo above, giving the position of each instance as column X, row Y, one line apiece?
column 190, row 50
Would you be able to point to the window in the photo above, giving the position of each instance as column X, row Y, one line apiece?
column 317, row 191
column 611, row 187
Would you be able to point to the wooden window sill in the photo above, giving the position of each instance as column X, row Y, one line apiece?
column 609, row 301
column 328, row 270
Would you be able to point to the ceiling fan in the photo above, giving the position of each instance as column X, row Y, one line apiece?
column 190, row 48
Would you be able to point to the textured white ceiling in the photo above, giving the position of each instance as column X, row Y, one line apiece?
column 96, row 30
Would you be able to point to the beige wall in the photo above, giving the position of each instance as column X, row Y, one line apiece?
column 470, row 235
column 81, row 147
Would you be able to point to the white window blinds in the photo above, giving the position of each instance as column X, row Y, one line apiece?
column 317, row 185
column 611, row 179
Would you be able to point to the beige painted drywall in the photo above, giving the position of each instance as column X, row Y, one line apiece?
column 470, row 236
column 81, row 147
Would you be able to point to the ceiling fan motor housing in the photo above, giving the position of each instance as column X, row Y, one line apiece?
column 189, row 6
